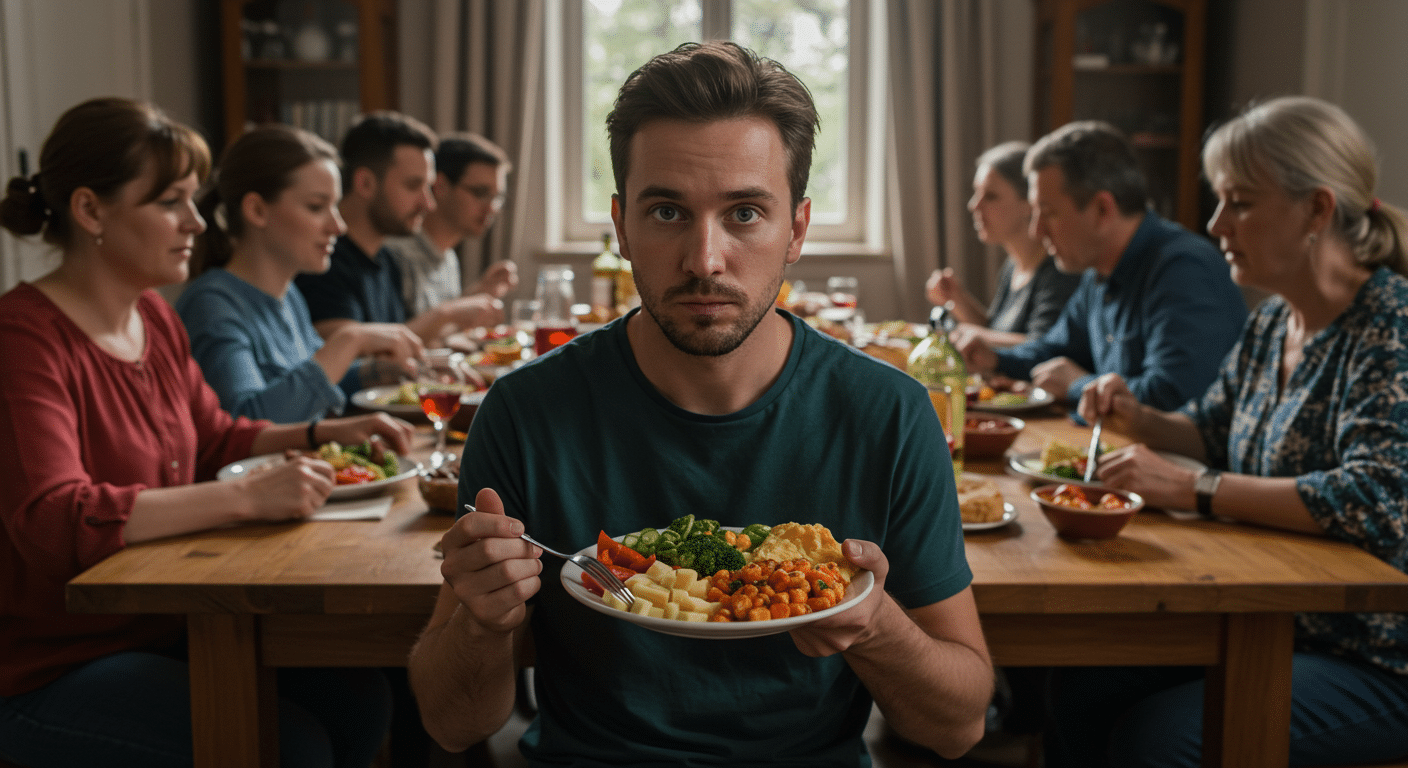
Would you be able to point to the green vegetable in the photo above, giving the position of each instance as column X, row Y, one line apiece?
column 708, row 555
column 682, row 526
column 704, row 528
column 756, row 533
column 1063, row 470
column 389, row 465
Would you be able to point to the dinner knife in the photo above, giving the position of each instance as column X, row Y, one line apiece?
column 1093, row 452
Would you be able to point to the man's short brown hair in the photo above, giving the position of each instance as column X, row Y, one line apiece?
column 716, row 80
column 1093, row 156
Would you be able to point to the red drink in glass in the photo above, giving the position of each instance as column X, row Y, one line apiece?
column 548, row 337
column 440, row 404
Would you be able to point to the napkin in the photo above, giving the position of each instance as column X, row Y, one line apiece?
column 374, row 508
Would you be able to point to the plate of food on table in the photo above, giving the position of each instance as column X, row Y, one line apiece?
column 981, row 505
column 1000, row 395
column 396, row 399
column 1061, row 462
column 361, row 470
column 695, row 578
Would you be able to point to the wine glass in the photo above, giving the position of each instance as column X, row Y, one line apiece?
column 440, row 382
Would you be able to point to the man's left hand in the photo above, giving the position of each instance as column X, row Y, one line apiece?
column 1057, row 375
column 838, row 633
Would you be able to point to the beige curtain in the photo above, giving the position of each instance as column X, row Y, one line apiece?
column 943, row 114
column 488, row 70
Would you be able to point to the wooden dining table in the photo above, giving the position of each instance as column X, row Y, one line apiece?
column 1165, row 591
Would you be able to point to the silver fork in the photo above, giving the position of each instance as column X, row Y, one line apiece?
column 596, row 568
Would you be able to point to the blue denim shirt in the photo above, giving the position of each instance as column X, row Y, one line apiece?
column 256, row 351
column 1164, row 319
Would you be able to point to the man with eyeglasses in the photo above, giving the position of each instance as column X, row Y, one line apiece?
column 471, row 173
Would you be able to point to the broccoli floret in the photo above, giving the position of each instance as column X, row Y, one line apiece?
column 704, row 528
column 387, row 463
column 708, row 555
column 682, row 526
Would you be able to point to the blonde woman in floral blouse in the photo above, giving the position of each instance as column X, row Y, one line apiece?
column 1305, row 429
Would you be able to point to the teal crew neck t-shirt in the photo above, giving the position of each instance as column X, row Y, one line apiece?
column 579, row 441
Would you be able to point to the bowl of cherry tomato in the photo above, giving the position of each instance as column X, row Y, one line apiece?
column 1086, row 511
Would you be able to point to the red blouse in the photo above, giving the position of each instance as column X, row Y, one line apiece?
column 83, row 433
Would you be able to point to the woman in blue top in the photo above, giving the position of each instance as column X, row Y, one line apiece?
column 1031, row 291
column 273, row 214
column 1305, row 429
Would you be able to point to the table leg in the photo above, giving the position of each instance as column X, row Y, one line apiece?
column 1247, row 702
column 234, row 699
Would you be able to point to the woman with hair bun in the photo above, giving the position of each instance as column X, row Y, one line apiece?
column 1305, row 429
column 272, row 214
column 114, row 438
column 1031, row 291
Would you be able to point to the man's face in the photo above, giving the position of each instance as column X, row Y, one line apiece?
column 706, row 221
column 471, row 205
column 1070, row 232
column 402, row 196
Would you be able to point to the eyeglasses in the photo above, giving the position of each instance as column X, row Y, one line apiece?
column 487, row 195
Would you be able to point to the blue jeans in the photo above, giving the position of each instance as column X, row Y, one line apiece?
column 134, row 709
column 1342, row 711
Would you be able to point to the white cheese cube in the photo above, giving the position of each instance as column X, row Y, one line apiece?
column 672, row 611
column 661, row 574
column 639, row 578
column 656, row 613
column 641, row 607
column 611, row 601
column 699, row 589
column 653, row 593
column 693, row 616
column 678, row 595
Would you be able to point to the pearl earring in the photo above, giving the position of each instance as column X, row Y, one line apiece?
column 98, row 239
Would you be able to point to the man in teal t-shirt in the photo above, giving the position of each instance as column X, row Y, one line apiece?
column 706, row 401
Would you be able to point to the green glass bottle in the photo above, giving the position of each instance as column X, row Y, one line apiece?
column 937, row 365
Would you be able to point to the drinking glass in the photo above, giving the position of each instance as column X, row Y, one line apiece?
column 523, row 315
column 440, row 382
column 842, row 292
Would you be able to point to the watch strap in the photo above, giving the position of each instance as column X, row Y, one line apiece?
column 1204, row 487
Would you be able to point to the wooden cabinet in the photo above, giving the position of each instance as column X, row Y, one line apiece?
column 316, row 64
column 1137, row 64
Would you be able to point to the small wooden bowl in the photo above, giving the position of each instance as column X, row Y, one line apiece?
column 1093, row 523
column 987, row 436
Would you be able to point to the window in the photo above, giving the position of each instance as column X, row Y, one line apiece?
column 829, row 44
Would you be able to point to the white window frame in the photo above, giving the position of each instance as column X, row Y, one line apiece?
column 862, row 232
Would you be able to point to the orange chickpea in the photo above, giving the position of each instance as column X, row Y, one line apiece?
column 780, row 610
column 820, row 603
column 759, row 614
column 799, row 609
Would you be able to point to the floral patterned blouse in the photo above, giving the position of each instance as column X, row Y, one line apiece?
column 1340, row 427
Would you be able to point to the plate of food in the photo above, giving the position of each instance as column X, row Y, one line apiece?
column 981, row 505
column 395, row 399
column 793, row 538
column 1061, row 463
column 360, row 471
column 1015, row 400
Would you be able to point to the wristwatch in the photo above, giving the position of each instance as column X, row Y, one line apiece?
column 1204, row 487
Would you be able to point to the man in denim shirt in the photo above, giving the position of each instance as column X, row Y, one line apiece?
column 1156, row 303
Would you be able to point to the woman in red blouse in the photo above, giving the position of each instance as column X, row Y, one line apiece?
column 112, row 437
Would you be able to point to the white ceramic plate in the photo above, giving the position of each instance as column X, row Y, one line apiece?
column 241, row 468
column 572, row 581
column 1009, row 513
column 1028, row 464
column 375, row 399
column 1036, row 398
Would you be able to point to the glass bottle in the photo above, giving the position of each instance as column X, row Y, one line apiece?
column 938, row 366
column 556, row 325
column 606, row 268
column 626, row 297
